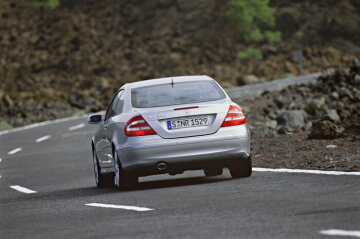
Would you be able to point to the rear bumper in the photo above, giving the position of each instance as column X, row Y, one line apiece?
column 191, row 153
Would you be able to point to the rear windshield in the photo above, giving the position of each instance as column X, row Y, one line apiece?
column 177, row 94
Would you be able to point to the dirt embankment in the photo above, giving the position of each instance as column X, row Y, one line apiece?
column 56, row 62
column 313, row 126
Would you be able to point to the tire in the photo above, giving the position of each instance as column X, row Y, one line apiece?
column 210, row 172
column 241, row 168
column 122, row 179
column 101, row 180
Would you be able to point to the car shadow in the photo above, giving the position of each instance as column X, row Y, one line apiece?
column 178, row 182
column 73, row 193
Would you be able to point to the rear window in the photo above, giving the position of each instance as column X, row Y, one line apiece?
column 177, row 94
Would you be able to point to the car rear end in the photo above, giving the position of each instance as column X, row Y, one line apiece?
column 182, row 123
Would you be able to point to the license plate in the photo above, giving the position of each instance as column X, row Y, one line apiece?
column 188, row 122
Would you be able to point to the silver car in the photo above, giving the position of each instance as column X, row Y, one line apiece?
column 170, row 125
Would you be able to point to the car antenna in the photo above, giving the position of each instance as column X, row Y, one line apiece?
column 172, row 83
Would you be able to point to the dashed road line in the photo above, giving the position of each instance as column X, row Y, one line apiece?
column 337, row 232
column 14, row 151
column 22, row 189
column 309, row 171
column 134, row 208
column 0, row 160
column 78, row 126
column 46, row 137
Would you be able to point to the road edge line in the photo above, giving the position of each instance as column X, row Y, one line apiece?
column 306, row 171
column 43, row 123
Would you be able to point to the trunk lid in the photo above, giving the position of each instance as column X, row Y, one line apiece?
column 158, row 118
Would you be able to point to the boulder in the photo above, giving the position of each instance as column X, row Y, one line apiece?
column 314, row 106
column 80, row 100
column 332, row 115
column 262, row 131
column 325, row 130
column 271, row 124
column 291, row 118
column 248, row 79
column 285, row 130
column 334, row 95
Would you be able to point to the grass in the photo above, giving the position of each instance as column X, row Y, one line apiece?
column 5, row 125
column 78, row 113
column 250, row 53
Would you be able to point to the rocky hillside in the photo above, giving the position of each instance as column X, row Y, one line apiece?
column 56, row 62
column 327, row 109
column 314, row 126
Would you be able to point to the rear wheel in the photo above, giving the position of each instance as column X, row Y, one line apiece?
column 241, row 168
column 213, row 172
column 122, row 179
column 102, row 180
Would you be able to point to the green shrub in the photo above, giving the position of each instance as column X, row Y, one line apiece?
column 52, row 4
column 299, row 34
column 273, row 37
column 4, row 125
column 250, row 15
column 250, row 53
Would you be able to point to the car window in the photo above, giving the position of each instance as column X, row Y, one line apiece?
column 120, row 104
column 176, row 94
column 111, row 111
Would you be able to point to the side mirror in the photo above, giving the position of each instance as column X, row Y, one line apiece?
column 94, row 119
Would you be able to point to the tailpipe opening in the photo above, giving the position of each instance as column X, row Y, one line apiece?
column 161, row 166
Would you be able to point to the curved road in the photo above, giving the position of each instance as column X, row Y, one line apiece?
column 47, row 190
column 59, row 169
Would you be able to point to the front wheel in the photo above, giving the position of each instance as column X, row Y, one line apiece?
column 241, row 168
column 122, row 179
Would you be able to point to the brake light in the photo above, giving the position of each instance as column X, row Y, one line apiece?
column 137, row 126
column 187, row 108
column 235, row 116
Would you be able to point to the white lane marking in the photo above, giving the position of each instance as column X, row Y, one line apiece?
column 0, row 162
column 139, row 209
column 46, row 137
column 286, row 170
column 22, row 189
column 78, row 126
column 337, row 232
column 14, row 151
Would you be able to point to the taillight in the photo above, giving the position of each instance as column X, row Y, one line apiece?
column 235, row 116
column 137, row 126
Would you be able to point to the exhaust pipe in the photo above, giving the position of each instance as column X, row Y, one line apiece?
column 161, row 166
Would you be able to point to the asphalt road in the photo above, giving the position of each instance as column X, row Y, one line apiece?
column 59, row 169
